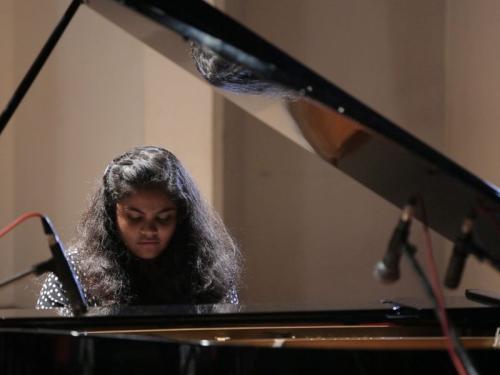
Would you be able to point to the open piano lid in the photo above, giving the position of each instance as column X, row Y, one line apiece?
column 352, row 137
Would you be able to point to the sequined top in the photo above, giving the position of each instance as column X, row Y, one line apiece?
column 52, row 295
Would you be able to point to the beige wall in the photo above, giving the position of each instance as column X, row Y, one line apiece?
column 100, row 93
column 472, row 88
column 178, row 113
column 6, row 141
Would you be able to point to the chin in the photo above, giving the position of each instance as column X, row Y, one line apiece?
column 147, row 254
column 144, row 255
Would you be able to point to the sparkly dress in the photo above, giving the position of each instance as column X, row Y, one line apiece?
column 144, row 277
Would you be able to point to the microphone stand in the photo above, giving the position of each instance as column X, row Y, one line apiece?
column 37, row 269
column 58, row 264
column 76, row 298
column 387, row 270
column 37, row 65
column 410, row 250
column 77, row 301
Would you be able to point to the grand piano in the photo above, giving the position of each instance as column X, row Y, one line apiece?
column 348, row 335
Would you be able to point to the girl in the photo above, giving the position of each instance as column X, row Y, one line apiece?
column 147, row 238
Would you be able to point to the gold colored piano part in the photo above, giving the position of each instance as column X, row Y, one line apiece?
column 370, row 337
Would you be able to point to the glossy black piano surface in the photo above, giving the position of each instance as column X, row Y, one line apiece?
column 30, row 352
column 222, row 339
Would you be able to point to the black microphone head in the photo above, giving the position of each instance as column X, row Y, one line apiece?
column 463, row 245
column 386, row 274
column 47, row 225
column 455, row 268
column 63, row 270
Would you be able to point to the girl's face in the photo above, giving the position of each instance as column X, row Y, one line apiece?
column 146, row 221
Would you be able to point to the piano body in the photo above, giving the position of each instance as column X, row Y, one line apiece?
column 348, row 335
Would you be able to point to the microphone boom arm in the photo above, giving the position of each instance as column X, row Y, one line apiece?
column 37, row 65
column 37, row 269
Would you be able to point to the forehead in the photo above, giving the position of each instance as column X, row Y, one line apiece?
column 147, row 200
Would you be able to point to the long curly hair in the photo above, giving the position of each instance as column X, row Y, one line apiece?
column 232, row 76
column 201, row 263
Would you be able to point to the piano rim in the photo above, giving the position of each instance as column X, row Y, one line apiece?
column 337, row 337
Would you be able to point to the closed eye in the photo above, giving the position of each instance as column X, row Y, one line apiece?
column 165, row 218
column 134, row 218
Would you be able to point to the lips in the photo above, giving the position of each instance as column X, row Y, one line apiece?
column 148, row 242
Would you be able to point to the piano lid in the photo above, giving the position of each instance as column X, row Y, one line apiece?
column 319, row 115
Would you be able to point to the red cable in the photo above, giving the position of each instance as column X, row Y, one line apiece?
column 438, row 293
column 18, row 221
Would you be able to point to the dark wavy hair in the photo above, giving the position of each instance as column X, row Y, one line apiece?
column 232, row 76
column 201, row 263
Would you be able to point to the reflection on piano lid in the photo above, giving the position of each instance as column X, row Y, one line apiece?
column 342, row 130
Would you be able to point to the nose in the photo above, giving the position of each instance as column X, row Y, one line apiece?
column 149, row 229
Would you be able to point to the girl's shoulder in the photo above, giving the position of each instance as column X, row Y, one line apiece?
column 231, row 296
column 53, row 295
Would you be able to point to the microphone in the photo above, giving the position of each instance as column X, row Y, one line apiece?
column 459, row 253
column 387, row 270
column 62, row 269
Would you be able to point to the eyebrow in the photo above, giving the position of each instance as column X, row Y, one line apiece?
column 142, row 212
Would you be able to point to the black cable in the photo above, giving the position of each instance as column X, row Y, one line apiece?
column 409, row 250
column 37, row 65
